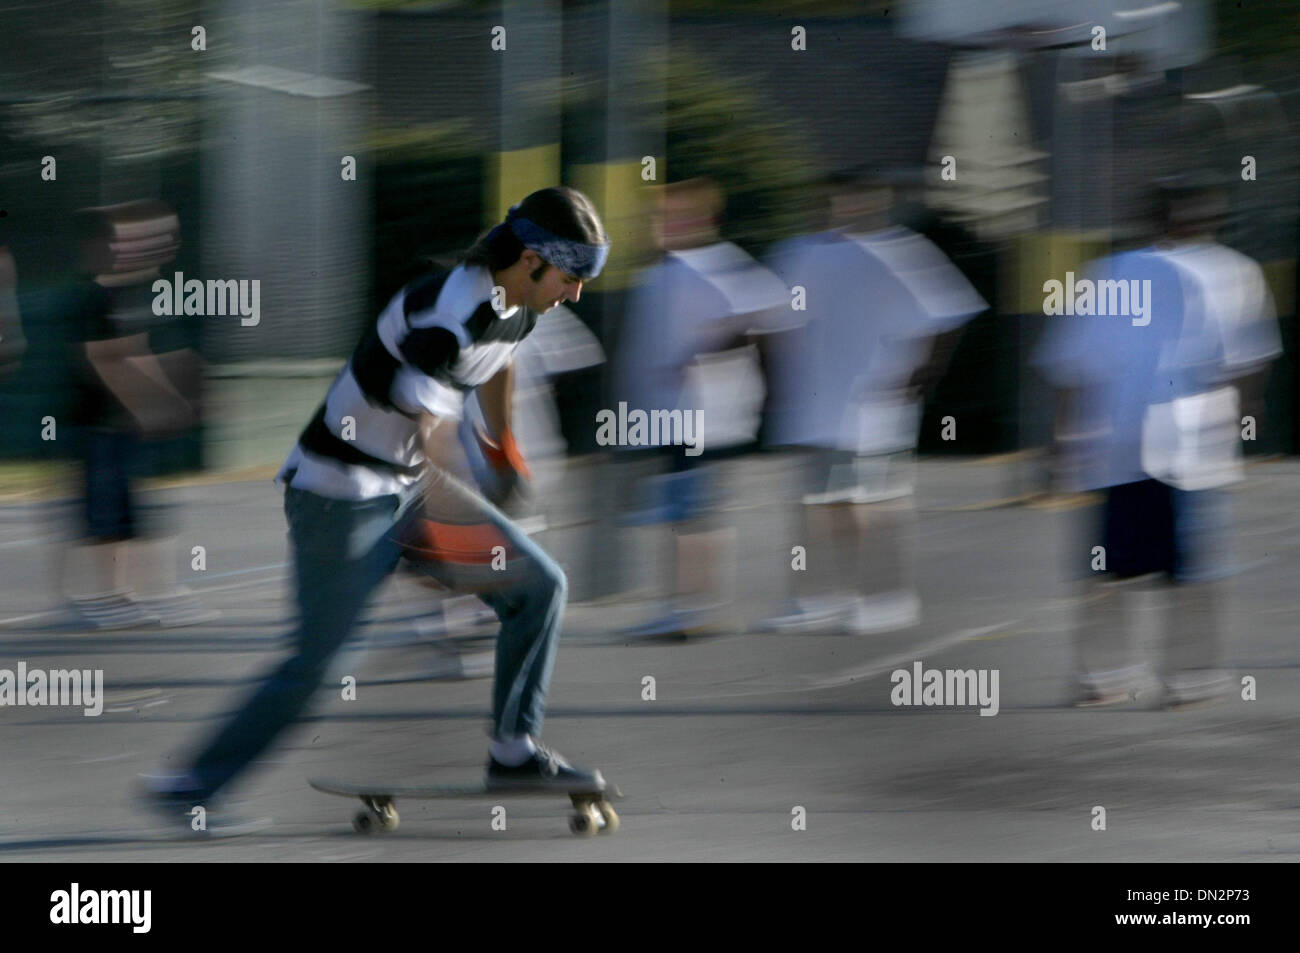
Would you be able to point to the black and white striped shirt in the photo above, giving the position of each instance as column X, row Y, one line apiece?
column 438, row 339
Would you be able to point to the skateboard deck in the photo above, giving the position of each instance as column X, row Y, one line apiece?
column 592, row 811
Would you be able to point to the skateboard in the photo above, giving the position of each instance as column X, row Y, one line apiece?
column 592, row 811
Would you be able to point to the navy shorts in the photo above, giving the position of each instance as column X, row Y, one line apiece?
column 1138, row 529
column 1151, row 527
column 109, row 462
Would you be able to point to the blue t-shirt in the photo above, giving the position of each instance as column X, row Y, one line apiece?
column 873, row 302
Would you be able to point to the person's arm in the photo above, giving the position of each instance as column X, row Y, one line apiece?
column 440, row 441
column 12, row 343
column 495, row 396
column 1066, row 413
column 1069, row 445
column 154, row 367
column 183, row 367
column 137, row 380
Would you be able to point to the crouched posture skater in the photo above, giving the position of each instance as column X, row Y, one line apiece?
column 362, row 490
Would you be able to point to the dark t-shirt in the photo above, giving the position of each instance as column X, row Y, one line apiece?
column 96, row 313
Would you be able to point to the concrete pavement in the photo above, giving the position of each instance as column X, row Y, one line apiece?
column 744, row 729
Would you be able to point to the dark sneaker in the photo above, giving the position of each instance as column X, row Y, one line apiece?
column 676, row 623
column 545, row 769
column 182, row 814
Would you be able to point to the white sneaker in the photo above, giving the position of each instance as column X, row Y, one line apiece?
column 812, row 614
column 1106, row 689
column 119, row 609
column 884, row 612
column 1196, row 689
column 178, row 608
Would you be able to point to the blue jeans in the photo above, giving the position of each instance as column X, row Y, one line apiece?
column 343, row 550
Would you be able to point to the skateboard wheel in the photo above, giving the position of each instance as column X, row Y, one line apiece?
column 584, row 822
column 363, row 823
column 388, row 818
column 609, row 816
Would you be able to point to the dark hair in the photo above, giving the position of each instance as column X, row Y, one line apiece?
column 95, row 224
column 93, row 230
column 562, row 211
column 1191, row 201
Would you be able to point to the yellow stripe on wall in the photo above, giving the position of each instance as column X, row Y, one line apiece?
column 1041, row 256
column 515, row 174
column 1280, row 276
column 624, row 202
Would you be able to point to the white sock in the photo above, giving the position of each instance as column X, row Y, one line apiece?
column 512, row 751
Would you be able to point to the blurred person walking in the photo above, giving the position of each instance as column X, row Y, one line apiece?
column 884, row 307
column 1150, row 414
column 684, row 356
column 133, row 388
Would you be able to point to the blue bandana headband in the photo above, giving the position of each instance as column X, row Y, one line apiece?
column 573, row 258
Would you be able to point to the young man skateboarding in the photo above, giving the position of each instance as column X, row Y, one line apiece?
column 361, row 491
